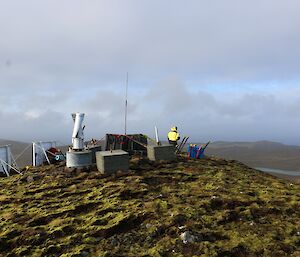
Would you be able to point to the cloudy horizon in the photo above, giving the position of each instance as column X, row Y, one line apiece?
column 219, row 71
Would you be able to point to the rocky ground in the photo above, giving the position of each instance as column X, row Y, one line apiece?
column 208, row 207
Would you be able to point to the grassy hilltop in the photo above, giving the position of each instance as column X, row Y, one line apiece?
column 210, row 207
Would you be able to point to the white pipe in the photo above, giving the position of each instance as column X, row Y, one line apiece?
column 33, row 155
column 46, row 156
column 156, row 135
column 4, row 168
column 10, row 166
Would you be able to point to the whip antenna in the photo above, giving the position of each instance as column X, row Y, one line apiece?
column 126, row 104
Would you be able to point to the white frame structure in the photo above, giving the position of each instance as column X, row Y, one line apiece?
column 39, row 152
column 7, row 161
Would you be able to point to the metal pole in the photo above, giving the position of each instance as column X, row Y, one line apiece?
column 183, row 144
column 46, row 155
column 126, row 104
column 33, row 154
column 156, row 135
column 12, row 167
column 180, row 145
column 4, row 168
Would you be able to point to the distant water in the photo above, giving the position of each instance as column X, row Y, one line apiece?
column 283, row 172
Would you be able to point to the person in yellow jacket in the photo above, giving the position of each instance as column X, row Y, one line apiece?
column 173, row 136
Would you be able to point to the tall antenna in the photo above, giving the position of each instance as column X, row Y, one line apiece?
column 126, row 104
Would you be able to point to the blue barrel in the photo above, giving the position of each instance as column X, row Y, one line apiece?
column 195, row 152
column 189, row 150
column 195, row 148
column 201, row 153
column 192, row 151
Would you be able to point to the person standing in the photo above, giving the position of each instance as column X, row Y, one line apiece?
column 173, row 136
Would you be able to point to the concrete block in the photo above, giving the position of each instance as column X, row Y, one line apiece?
column 94, row 149
column 161, row 153
column 109, row 162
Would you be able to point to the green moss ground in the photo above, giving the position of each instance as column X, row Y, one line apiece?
column 229, row 208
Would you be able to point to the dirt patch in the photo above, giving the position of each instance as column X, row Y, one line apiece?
column 123, row 226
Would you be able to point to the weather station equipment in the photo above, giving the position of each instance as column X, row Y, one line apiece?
column 7, row 161
column 78, row 156
column 159, row 152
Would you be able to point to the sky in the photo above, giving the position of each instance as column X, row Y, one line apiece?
column 219, row 70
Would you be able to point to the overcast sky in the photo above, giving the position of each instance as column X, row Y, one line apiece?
column 219, row 70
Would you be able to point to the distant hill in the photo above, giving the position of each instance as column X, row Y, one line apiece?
column 17, row 145
column 255, row 154
column 17, row 148
column 259, row 154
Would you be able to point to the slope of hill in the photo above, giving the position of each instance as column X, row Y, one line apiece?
column 259, row 154
column 16, row 145
column 209, row 207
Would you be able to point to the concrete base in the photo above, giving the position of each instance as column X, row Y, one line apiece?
column 94, row 149
column 109, row 162
column 161, row 153
column 78, row 159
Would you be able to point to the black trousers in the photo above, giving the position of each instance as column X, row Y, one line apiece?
column 173, row 143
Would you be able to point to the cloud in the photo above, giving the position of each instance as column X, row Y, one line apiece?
column 197, row 65
column 31, row 126
column 248, row 116
column 74, row 41
column 199, row 114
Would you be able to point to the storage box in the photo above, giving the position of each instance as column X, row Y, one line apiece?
column 109, row 162
column 161, row 153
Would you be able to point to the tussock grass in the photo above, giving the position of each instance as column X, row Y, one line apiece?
column 229, row 208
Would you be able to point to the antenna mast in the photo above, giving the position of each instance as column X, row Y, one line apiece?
column 126, row 104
